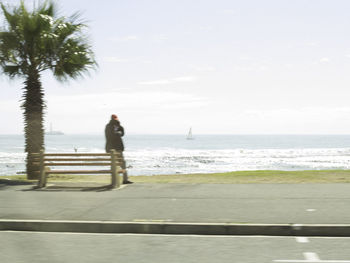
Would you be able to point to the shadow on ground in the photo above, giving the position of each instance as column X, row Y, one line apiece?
column 14, row 182
column 8, row 182
column 56, row 187
column 71, row 187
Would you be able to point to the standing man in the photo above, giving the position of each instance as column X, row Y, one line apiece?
column 114, row 133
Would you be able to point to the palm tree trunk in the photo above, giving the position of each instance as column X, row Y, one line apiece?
column 33, row 106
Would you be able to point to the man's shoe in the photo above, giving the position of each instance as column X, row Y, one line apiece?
column 128, row 182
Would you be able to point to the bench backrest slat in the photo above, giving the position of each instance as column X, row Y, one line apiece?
column 78, row 154
column 80, row 164
column 80, row 159
column 80, row 172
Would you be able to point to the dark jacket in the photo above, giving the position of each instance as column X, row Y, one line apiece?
column 114, row 133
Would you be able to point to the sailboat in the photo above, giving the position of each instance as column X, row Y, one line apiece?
column 189, row 135
column 52, row 132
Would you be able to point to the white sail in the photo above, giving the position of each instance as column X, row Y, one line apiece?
column 189, row 135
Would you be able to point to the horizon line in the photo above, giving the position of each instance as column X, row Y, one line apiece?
column 197, row 134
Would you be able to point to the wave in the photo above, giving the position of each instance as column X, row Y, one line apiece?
column 149, row 161
column 170, row 161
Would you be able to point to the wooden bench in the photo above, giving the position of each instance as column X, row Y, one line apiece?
column 48, row 161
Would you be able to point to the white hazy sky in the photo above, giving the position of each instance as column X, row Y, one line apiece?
column 220, row 66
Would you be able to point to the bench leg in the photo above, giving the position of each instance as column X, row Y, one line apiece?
column 116, row 178
column 47, row 169
column 42, row 174
column 42, row 179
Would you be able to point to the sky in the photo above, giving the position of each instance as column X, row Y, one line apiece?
column 218, row 66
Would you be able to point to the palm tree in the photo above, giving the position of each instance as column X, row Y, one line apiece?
column 32, row 42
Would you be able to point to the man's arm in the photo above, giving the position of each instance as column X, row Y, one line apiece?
column 121, row 131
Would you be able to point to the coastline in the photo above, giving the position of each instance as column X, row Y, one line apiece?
column 236, row 177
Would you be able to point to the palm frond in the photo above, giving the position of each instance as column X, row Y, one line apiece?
column 41, row 40
column 12, row 70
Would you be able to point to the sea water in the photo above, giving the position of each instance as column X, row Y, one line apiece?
column 170, row 154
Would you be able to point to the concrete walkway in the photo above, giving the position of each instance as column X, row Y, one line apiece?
column 247, row 209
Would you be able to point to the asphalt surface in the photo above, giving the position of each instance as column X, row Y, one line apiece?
column 181, row 205
column 80, row 247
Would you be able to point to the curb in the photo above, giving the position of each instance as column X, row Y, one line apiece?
column 334, row 230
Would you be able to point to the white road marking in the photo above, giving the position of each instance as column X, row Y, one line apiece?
column 311, row 257
column 311, row 210
column 302, row 239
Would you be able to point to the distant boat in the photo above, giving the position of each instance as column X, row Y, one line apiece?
column 52, row 132
column 189, row 135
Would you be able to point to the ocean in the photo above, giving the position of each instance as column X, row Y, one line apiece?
column 170, row 154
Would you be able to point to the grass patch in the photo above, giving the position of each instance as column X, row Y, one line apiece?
column 239, row 177
column 246, row 177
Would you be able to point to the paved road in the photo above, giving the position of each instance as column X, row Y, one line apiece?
column 215, row 203
column 67, row 247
